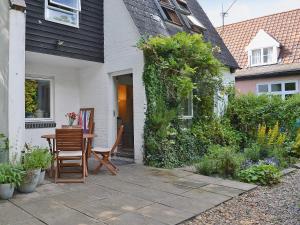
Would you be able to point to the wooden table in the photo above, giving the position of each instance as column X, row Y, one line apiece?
column 51, row 141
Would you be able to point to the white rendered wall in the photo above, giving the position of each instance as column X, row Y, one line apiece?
column 16, row 87
column 66, row 96
column 4, row 44
column 121, row 37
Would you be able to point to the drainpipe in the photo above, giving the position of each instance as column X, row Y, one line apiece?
column 16, row 79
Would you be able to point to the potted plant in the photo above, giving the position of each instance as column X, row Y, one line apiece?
column 32, row 167
column 3, row 149
column 10, row 177
column 44, row 158
column 71, row 118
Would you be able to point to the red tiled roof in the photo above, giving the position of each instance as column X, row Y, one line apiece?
column 284, row 27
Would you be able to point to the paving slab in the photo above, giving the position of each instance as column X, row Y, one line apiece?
column 138, row 195
column 133, row 219
column 165, row 214
column 222, row 182
column 207, row 197
column 228, row 191
column 288, row 171
column 192, row 205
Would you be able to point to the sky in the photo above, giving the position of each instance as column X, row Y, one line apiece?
column 245, row 9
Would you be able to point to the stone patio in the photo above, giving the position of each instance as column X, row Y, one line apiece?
column 138, row 195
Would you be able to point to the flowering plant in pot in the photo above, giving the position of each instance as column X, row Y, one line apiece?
column 10, row 177
column 31, row 165
column 71, row 117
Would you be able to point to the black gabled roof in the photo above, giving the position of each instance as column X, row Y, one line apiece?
column 149, row 21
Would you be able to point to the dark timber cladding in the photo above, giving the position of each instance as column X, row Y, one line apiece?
column 85, row 42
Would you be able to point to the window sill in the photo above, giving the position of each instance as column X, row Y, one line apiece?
column 39, row 124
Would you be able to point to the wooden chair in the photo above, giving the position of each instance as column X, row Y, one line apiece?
column 70, row 146
column 106, row 153
column 86, row 122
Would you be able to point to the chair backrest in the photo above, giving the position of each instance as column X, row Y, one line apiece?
column 69, row 139
column 86, row 119
column 118, row 140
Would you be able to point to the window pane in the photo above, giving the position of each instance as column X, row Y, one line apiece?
column 290, row 86
column 263, row 88
column 62, row 16
column 256, row 57
column 74, row 4
column 171, row 15
column 37, row 98
column 268, row 54
column 275, row 87
column 187, row 107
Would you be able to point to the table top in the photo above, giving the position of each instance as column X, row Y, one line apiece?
column 52, row 136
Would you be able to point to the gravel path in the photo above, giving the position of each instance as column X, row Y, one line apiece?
column 279, row 205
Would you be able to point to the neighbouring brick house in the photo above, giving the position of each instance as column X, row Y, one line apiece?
column 267, row 50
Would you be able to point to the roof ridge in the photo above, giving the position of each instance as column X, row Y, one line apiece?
column 270, row 15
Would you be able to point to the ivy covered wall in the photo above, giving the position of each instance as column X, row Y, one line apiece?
column 175, row 68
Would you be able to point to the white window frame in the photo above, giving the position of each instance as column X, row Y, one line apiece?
column 74, row 12
column 189, row 117
column 66, row 6
column 283, row 92
column 261, row 57
column 51, row 118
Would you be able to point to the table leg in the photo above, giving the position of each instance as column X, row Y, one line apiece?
column 51, row 149
column 86, row 157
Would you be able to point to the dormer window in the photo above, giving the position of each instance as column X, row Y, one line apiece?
column 262, row 56
column 63, row 11
column 263, row 50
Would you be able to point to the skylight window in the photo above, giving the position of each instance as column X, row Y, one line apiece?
column 169, row 12
column 195, row 22
column 63, row 11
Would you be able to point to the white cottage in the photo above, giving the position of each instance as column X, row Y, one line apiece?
column 82, row 53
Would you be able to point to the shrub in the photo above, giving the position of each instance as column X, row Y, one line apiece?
column 216, row 132
column 260, row 174
column 296, row 146
column 253, row 152
column 10, row 174
column 224, row 161
column 245, row 112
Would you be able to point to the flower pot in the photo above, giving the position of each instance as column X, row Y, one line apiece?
column 6, row 191
column 30, row 181
column 42, row 177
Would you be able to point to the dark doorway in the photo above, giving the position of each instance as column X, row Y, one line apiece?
column 125, row 114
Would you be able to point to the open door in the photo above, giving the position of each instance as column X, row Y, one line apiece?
column 124, row 87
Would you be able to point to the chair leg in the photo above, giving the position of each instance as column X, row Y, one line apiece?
column 108, row 164
column 113, row 165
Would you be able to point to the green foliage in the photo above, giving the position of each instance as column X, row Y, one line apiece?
column 3, row 142
column 253, row 152
column 246, row 112
column 260, row 174
column 175, row 67
column 224, row 161
column 296, row 145
column 37, row 158
column 216, row 132
column 10, row 174
column 30, row 96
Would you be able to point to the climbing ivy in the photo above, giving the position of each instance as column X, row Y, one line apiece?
column 175, row 67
